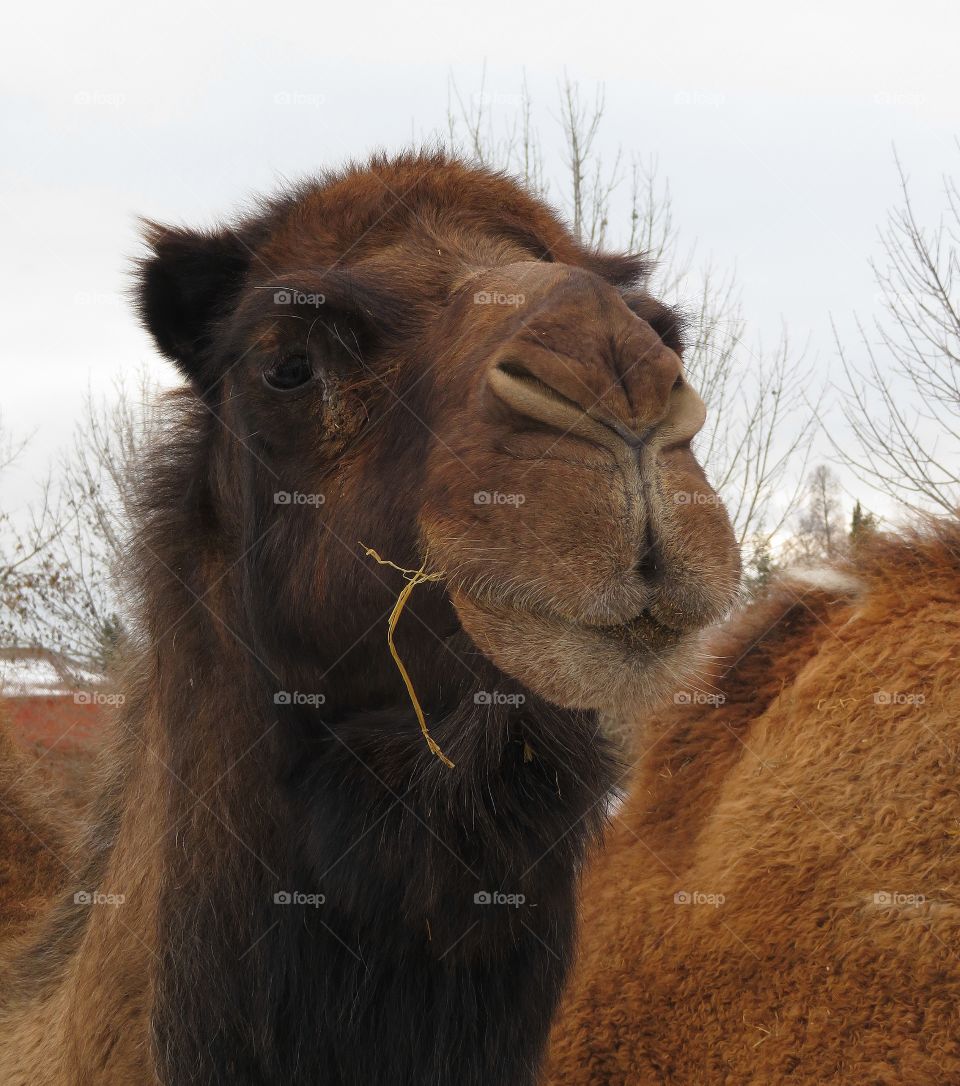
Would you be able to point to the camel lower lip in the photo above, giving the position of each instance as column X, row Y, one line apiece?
column 643, row 630
column 638, row 636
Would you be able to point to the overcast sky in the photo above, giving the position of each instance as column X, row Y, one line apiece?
column 774, row 125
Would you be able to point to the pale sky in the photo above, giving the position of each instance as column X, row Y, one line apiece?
column 774, row 125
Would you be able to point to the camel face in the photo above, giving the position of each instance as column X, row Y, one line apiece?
column 582, row 544
column 447, row 395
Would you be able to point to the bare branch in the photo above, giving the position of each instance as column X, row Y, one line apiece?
column 902, row 396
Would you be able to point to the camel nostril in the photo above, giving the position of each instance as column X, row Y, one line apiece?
column 528, row 395
column 532, row 384
column 542, row 399
column 515, row 369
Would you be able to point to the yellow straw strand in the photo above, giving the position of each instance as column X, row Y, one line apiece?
column 413, row 577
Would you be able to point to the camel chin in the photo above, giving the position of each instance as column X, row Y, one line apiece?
column 616, row 670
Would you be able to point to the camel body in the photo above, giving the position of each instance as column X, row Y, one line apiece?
column 778, row 900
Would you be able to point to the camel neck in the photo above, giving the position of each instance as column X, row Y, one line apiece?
column 369, row 914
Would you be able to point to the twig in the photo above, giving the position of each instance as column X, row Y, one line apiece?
column 413, row 578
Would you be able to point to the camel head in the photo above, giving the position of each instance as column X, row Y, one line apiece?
column 417, row 357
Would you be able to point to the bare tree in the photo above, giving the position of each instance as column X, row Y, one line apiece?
column 59, row 591
column 819, row 535
column 762, row 417
column 902, row 398
column 514, row 147
column 21, row 549
column 591, row 182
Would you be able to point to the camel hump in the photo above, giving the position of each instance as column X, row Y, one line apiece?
column 761, row 649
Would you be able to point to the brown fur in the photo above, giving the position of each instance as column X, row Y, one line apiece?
column 34, row 836
column 799, row 799
column 415, row 395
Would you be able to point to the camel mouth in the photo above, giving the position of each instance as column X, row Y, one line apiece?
column 651, row 627
column 577, row 665
column 643, row 632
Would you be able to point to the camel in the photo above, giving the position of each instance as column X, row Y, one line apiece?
column 423, row 520
column 34, row 829
column 778, row 900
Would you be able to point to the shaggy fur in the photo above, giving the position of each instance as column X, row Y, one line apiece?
column 821, row 799
column 280, row 882
column 33, row 837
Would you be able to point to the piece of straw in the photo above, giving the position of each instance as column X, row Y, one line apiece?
column 413, row 578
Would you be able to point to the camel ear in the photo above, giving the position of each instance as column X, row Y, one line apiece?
column 185, row 287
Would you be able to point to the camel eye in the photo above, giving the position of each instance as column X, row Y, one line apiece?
column 289, row 373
